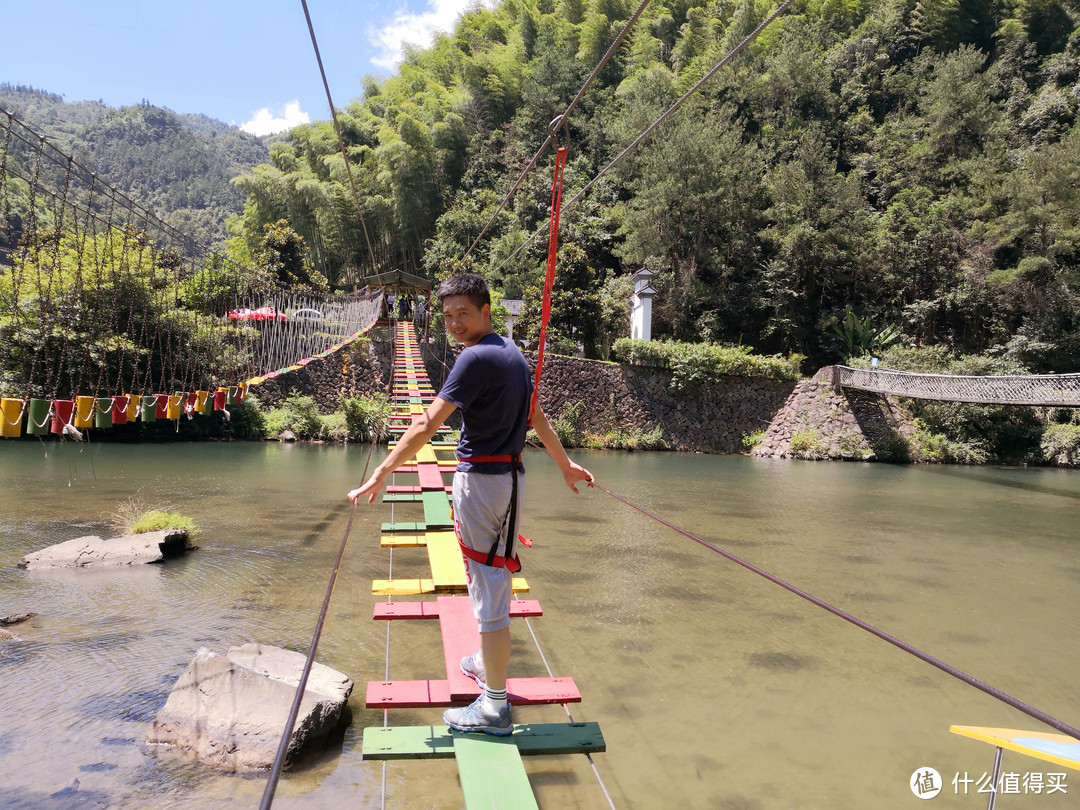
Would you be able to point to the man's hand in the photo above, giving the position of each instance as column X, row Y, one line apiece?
column 575, row 473
column 372, row 487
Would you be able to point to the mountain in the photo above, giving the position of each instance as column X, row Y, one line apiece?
column 177, row 165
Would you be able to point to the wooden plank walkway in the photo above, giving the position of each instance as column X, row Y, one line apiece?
column 490, row 768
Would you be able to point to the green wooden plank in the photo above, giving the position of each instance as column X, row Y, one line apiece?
column 492, row 773
column 423, row 742
column 407, row 742
column 401, row 497
column 437, row 510
column 404, row 528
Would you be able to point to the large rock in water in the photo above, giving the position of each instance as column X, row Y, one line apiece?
column 93, row 552
column 230, row 710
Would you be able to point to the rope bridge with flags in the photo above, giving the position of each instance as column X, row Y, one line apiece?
column 110, row 315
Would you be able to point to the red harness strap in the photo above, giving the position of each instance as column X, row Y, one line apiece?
column 549, row 276
column 512, row 565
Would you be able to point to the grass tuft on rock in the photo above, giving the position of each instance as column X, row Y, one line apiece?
column 135, row 517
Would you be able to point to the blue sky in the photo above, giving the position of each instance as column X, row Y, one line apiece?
column 246, row 62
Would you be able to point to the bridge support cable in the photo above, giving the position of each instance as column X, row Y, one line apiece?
column 948, row 669
column 337, row 129
column 561, row 121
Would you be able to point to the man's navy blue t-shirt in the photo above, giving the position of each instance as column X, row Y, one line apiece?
column 491, row 384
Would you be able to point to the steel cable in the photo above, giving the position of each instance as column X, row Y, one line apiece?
column 663, row 117
column 903, row 645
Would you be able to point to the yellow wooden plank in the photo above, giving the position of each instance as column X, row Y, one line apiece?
column 402, row 540
column 415, row 587
column 416, row 408
column 1057, row 748
column 401, row 587
column 447, row 566
column 426, row 455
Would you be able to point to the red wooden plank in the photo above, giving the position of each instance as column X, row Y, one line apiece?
column 422, row 694
column 460, row 637
column 519, row 608
column 430, row 477
column 407, row 694
column 403, row 488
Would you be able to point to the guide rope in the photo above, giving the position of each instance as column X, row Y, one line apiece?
column 294, row 711
column 337, row 129
column 1053, row 722
column 553, row 249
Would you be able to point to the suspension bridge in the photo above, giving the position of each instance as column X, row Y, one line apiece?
column 108, row 315
column 1045, row 390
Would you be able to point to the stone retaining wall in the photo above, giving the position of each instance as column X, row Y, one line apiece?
column 816, row 422
column 713, row 418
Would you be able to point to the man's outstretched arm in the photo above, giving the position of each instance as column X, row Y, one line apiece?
column 572, row 473
column 418, row 434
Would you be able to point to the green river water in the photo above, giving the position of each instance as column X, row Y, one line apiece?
column 714, row 688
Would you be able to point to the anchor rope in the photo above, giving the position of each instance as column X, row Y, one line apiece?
column 1049, row 720
column 663, row 117
column 561, row 120
column 337, row 129
column 294, row 711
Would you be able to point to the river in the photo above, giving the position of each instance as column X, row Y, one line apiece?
column 714, row 687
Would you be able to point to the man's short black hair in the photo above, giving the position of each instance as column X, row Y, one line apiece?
column 470, row 284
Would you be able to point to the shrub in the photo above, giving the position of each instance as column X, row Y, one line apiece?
column 1060, row 445
column 696, row 364
column 247, row 420
column 931, row 447
column 807, row 444
column 298, row 414
column 569, row 425
column 750, row 440
column 366, row 417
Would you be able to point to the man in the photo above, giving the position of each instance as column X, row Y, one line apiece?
column 491, row 384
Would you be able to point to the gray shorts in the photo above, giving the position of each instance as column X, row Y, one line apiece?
column 481, row 503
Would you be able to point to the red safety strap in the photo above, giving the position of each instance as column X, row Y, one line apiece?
column 512, row 565
column 549, row 278
column 489, row 459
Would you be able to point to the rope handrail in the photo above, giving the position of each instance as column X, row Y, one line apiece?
column 1046, row 390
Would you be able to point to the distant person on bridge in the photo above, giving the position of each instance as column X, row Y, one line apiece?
column 492, row 385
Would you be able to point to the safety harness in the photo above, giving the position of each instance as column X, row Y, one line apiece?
column 493, row 557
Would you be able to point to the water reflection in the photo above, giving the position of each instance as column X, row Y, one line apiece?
column 713, row 687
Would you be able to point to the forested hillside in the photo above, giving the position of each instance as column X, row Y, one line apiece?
column 177, row 165
column 915, row 160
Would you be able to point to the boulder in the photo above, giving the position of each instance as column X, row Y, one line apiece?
column 230, row 710
column 15, row 618
column 93, row 552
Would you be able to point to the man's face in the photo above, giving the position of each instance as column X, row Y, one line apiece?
column 465, row 321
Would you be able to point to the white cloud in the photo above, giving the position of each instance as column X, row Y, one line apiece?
column 415, row 29
column 265, row 122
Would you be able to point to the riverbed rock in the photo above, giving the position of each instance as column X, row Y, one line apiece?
column 15, row 618
column 94, row 552
column 230, row 710
column 5, row 635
